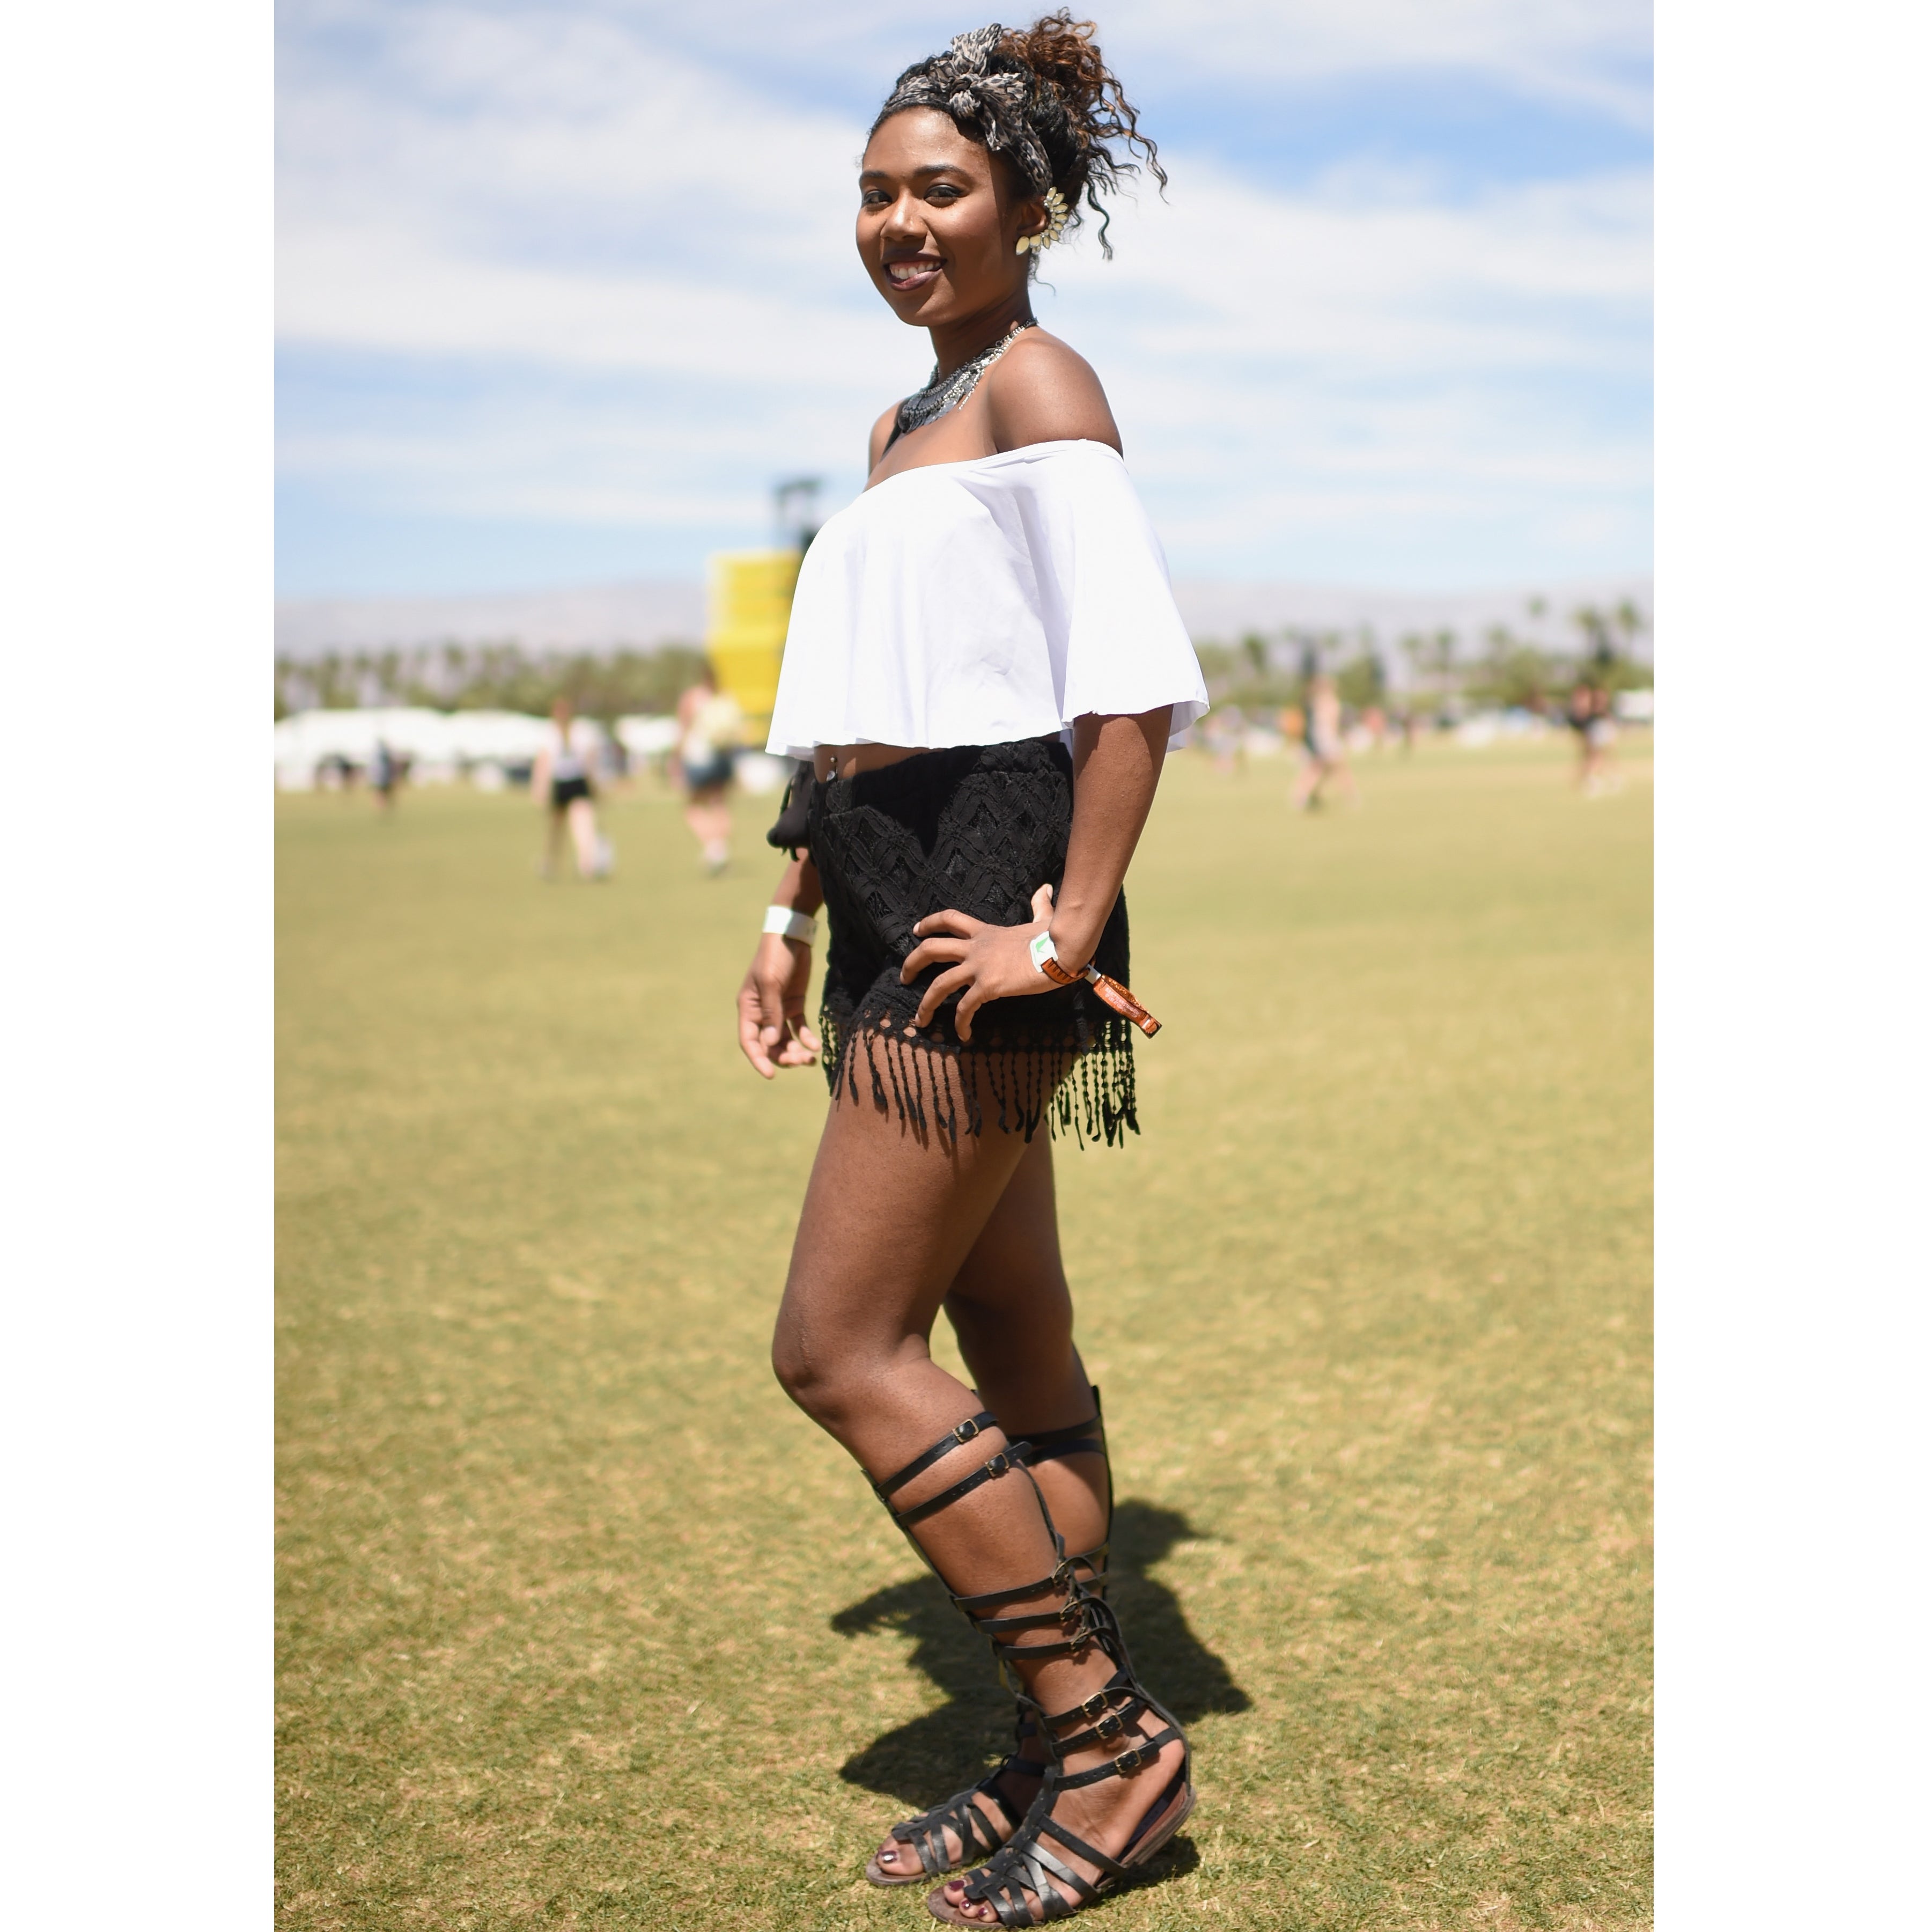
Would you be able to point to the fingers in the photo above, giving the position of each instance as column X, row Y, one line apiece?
column 958, row 925
column 969, row 1003
column 1042, row 903
column 931, row 952
column 750, row 1030
column 940, row 990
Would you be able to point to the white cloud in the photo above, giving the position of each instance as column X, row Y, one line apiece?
column 646, row 266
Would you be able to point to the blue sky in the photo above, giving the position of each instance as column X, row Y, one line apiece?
column 565, row 286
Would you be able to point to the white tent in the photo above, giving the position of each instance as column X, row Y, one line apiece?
column 644, row 737
column 437, row 743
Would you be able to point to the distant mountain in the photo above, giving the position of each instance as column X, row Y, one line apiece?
column 1225, row 612
column 648, row 612
column 641, row 614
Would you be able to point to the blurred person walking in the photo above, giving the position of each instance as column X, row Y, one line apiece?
column 979, row 782
column 1591, row 715
column 561, row 783
column 1323, row 755
column 710, row 726
column 385, row 776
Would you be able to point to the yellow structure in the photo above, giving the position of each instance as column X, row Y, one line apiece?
column 750, row 608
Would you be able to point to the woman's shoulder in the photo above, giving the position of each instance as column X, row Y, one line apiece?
column 1043, row 390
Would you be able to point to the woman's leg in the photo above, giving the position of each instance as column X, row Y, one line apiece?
column 583, row 836
column 890, row 1219
column 1013, row 1315
column 553, row 841
column 1011, row 1309
column 709, row 816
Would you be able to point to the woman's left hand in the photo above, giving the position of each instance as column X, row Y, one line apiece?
column 987, row 962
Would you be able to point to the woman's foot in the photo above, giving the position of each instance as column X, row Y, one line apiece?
column 1126, row 1818
column 1016, row 1782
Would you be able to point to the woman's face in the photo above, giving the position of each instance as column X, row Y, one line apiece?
column 937, row 222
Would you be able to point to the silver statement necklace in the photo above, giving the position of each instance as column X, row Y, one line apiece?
column 944, row 393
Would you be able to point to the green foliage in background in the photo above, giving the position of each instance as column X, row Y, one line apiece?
column 582, row 1625
column 491, row 677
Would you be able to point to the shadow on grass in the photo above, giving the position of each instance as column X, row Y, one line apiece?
column 946, row 1749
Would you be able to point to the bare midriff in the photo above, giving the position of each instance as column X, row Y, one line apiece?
column 847, row 761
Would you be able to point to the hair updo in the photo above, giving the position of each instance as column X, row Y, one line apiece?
column 1041, row 98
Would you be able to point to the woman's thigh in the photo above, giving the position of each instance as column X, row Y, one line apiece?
column 1012, row 1284
column 890, row 1217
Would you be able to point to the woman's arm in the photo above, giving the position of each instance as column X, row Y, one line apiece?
column 771, row 1027
column 1116, row 764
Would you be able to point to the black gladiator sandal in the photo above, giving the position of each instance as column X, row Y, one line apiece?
column 961, row 1815
column 1024, row 1869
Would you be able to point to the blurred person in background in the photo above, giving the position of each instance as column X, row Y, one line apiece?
column 710, row 727
column 385, row 776
column 1590, row 714
column 1323, row 755
column 1224, row 732
column 560, row 782
column 970, row 861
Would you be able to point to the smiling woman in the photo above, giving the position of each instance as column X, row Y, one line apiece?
column 984, row 666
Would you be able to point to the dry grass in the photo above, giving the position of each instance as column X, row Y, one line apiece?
column 582, row 1624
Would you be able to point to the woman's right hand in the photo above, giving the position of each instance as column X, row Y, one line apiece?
column 771, row 1027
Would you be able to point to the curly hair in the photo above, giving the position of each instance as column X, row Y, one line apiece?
column 1041, row 98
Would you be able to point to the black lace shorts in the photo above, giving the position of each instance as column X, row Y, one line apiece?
column 978, row 830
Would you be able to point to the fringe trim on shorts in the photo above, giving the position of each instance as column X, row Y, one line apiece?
column 918, row 1077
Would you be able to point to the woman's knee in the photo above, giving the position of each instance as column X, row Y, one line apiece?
column 823, row 1387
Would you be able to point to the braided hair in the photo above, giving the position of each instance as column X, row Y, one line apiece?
column 1041, row 98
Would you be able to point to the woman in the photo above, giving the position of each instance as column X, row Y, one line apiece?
column 1323, row 755
column 709, row 724
column 560, row 781
column 984, row 666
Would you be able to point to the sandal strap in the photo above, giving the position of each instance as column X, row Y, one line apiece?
column 1012, row 1457
column 1110, row 1726
column 1080, row 1438
column 1109, row 1867
column 1058, row 1580
column 953, row 1439
column 1120, row 1684
column 1129, row 1761
column 926, row 1833
column 1025, row 1865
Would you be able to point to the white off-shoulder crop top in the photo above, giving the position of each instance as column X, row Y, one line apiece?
column 976, row 603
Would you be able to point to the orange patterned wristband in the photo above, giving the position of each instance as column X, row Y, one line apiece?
column 1046, row 960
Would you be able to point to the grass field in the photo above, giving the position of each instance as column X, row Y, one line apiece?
column 583, row 1625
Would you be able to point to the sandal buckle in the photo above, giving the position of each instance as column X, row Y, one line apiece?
column 1110, row 1726
column 999, row 1465
column 968, row 1430
column 1132, row 1758
column 1093, row 1706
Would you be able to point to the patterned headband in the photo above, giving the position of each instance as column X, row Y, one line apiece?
column 993, row 105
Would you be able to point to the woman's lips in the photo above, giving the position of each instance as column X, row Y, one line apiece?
column 913, row 274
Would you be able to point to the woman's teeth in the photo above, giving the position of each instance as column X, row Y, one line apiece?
column 905, row 272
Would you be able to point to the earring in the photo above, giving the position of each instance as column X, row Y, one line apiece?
column 1056, row 212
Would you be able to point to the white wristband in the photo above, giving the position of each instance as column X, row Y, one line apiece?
column 787, row 924
column 1041, row 947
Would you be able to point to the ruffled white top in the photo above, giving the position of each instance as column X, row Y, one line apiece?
column 979, row 602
